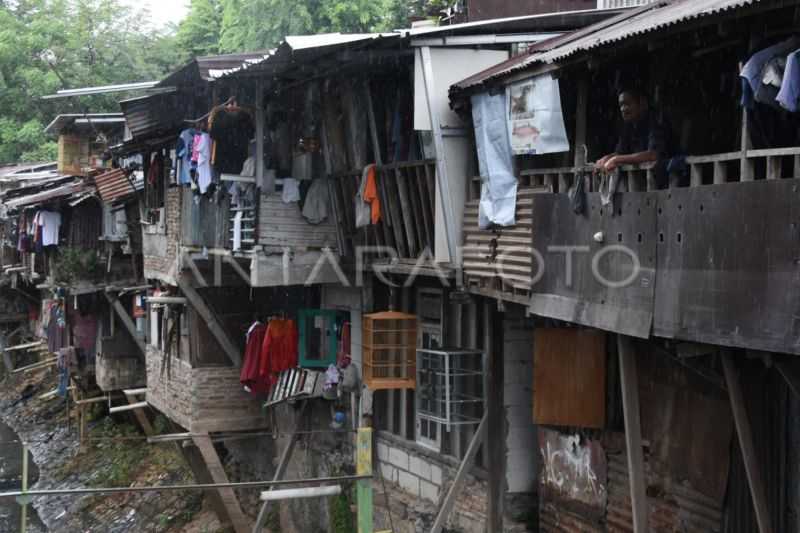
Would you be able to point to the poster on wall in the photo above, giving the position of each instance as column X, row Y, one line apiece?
column 535, row 117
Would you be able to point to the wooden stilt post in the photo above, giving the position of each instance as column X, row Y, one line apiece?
column 286, row 455
column 364, row 486
column 495, row 425
column 745, row 434
column 633, row 432
column 238, row 519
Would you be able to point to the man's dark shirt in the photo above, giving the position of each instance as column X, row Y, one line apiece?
column 642, row 136
column 645, row 135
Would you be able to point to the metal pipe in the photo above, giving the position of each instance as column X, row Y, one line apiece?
column 305, row 492
column 171, row 488
column 130, row 407
column 24, row 513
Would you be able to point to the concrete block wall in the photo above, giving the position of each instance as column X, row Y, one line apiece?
column 416, row 480
column 201, row 399
column 161, row 252
column 121, row 372
column 521, row 438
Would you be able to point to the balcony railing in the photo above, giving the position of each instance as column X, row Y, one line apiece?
column 407, row 194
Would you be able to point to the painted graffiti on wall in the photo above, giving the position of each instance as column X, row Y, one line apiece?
column 573, row 469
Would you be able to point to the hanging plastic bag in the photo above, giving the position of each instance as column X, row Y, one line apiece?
column 577, row 195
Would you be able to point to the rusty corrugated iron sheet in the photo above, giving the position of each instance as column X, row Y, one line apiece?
column 638, row 21
column 671, row 505
column 113, row 185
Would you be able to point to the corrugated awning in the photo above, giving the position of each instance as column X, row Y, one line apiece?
column 113, row 185
column 76, row 189
column 638, row 21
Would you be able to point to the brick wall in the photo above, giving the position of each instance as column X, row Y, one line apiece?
column 201, row 399
column 160, row 264
column 170, row 392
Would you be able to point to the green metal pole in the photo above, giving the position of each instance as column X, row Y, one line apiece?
column 364, row 486
column 24, row 514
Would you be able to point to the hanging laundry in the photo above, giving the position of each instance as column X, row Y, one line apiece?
column 291, row 190
column 156, row 169
column 752, row 74
column 56, row 327
column 368, row 204
column 789, row 95
column 279, row 350
column 204, row 177
column 50, row 223
column 249, row 376
column 183, row 151
column 315, row 209
column 343, row 347
column 237, row 231
column 67, row 362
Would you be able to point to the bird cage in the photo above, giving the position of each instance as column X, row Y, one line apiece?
column 390, row 343
column 450, row 386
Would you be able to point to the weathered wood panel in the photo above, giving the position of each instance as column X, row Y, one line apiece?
column 569, row 377
column 727, row 265
column 607, row 284
column 204, row 222
column 281, row 224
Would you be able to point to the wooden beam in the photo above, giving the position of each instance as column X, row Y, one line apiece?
column 629, row 381
column 745, row 434
column 140, row 415
column 581, row 110
column 790, row 374
column 238, row 519
column 286, row 455
column 461, row 475
column 127, row 321
column 210, row 318
column 495, row 424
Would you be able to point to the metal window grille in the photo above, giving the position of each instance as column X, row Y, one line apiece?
column 450, row 386
column 390, row 341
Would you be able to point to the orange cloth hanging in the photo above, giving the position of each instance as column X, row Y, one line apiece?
column 371, row 195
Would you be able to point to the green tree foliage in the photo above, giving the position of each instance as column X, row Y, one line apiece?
column 199, row 32
column 47, row 45
column 250, row 25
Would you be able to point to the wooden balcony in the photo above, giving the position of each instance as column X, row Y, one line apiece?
column 714, row 262
column 407, row 194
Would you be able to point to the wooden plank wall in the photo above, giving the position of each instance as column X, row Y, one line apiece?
column 281, row 225
column 204, row 222
column 407, row 194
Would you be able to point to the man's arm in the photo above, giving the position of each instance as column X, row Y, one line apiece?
column 601, row 163
column 650, row 156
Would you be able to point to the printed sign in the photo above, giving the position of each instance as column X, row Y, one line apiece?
column 535, row 117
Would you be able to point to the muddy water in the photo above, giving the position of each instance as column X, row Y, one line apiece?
column 11, row 479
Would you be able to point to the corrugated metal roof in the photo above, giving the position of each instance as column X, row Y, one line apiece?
column 113, row 185
column 639, row 21
column 62, row 122
column 562, row 20
column 73, row 190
